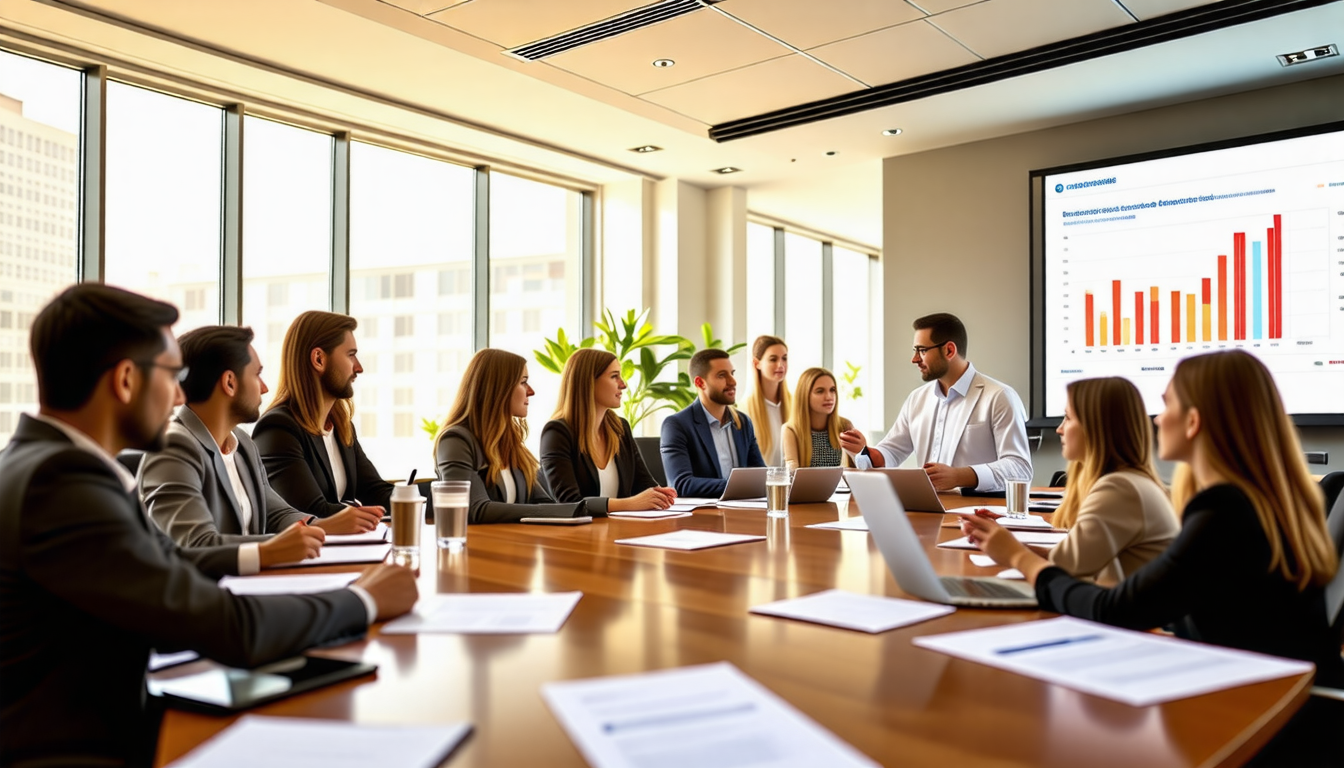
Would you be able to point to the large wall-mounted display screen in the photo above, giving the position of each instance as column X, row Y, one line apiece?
column 1142, row 262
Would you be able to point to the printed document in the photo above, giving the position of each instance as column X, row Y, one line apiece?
column 1137, row 668
column 866, row 613
column 480, row 613
column 710, row 716
column 291, row 742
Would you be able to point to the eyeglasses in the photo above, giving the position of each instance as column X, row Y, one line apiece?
column 178, row 372
column 921, row 351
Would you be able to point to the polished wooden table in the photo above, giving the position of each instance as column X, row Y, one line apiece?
column 647, row 609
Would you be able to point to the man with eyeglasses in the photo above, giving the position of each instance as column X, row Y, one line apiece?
column 87, row 584
column 966, row 429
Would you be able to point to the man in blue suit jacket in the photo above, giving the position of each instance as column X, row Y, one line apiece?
column 704, row 441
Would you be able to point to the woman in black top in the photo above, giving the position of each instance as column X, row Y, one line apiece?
column 587, row 451
column 1249, row 567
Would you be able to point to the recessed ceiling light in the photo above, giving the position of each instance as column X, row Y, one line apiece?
column 647, row 148
column 831, row 153
column 727, row 169
column 892, row 132
column 1311, row 54
column 664, row 63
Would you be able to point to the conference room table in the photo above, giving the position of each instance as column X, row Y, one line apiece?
column 650, row 609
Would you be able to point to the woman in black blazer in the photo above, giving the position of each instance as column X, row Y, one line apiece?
column 587, row 451
column 481, row 441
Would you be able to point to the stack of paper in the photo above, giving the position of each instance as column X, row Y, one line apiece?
column 711, row 715
column 688, row 539
column 1137, row 668
column 306, row 584
column 291, row 742
column 491, row 614
column 688, row 503
column 866, row 613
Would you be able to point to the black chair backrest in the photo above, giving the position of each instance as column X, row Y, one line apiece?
column 650, row 448
column 1331, row 485
column 131, row 460
column 1059, row 479
column 1334, row 591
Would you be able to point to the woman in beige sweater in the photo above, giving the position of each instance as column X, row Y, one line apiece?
column 1117, row 512
column 811, row 436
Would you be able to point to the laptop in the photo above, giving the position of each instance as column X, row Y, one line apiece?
column 913, row 487
column 899, row 544
column 814, row 485
column 745, row 489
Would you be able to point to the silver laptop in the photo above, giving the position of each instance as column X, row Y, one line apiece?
column 914, row 488
column 745, row 483
column 905, row 557
column 814, row 485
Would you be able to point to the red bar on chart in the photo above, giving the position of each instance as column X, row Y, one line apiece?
column 1152, row 332
column 1138, row 317
column 1087, row 300
column 1208, row 309
column 1175, row 317
column 1222, row 298
column 1239, row 280
column 1115, row 312
column 1278, row 276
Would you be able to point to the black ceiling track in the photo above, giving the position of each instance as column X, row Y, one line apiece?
column 1193, row 21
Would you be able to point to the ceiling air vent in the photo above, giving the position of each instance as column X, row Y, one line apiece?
column 616, row 25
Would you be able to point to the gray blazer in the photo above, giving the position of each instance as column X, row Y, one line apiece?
column 459, row 457
column 188, row 494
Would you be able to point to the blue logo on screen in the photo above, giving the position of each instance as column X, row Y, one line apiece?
column 1059, row 188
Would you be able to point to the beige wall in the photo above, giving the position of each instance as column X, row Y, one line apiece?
column 956, row 228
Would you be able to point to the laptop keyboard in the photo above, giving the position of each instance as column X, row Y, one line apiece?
column 958, row 587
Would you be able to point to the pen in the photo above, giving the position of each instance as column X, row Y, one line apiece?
column 1047, row 644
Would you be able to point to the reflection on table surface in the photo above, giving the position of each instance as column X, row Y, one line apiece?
column 646, row 609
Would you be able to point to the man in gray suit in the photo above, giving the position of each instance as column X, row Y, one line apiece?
column 87, row 584
column 208, row 486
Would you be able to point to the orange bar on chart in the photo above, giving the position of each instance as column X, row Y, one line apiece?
column 1089, row 338
column 1175, row 317
column 1124, row 333
column 1138, row 317
column 1189, row 317
column 1152, row 332
column 1104, row 337
column 1208, row 318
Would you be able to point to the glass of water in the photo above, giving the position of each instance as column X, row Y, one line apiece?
column 777, row 484
column 1016, row 495
column 451, row 499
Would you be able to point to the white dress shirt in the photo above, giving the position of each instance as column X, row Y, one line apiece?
column 775, row 415
column 979, row 423
column 723, row 441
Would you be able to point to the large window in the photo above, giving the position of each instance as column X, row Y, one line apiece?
column 760, row 281
column 536, row 244
column 286, row 231
column 39, row 212
column 803, row 323
column 411, row 290
column 163, row 194
column 851, row 337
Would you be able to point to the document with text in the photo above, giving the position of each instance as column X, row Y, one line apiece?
column 710, row 716
column 511, row 613
column 256, row 741
column 866, row 613
column 1137, row 668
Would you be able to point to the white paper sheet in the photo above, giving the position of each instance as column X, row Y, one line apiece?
column 650, row 514
column 1030, row 522
column 377, row 535
column 1137, row 668
column 688, row 503
column 304, row 584
column 742, row 504
column 866, row 613
column 689, row 539
column 290, row 742
column 487, row 614
column 710, row 716
column 354, row 553
column 1041, row 539
column 984, row 561
column 848, row 524
column 159, row 661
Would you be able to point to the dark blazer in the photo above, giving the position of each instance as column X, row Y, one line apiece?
column 459, row 457
column 1212, row 584
column 299, row 470
column 689, row 455
column 188, row 494
column 88, row 586
column 572, row 475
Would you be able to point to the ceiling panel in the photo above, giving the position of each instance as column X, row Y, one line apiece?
column 509, row 23
column 424, row 7
column 701, row 43
column 808, row 23
column 1149, row 9
column 753, row 90
column 996, row 27
column 896, row 53
column 939, row 6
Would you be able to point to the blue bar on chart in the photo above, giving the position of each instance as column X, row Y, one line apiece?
column 1255, row 287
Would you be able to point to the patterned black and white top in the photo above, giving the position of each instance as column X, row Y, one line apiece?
column 823, row 455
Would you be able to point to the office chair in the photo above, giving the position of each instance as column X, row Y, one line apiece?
column 1332, row 484
column 1059, row 479
column 131, row 460
column 650, row 449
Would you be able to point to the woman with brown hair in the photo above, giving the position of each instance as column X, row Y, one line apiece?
column 1115, row 507
column 1249, row 567
column 768, row 403
column 481, row 441
column 587, row 451
column 811, row 436
column 306, row 438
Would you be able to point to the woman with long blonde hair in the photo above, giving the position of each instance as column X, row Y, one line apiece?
column 481, row 441
column 1116, row 509
column 768, row 403
column 587, row 451
column 1249, row 567
column 811, row 436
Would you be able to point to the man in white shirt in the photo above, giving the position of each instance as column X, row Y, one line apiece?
column 208, row 486
column 966, row 429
